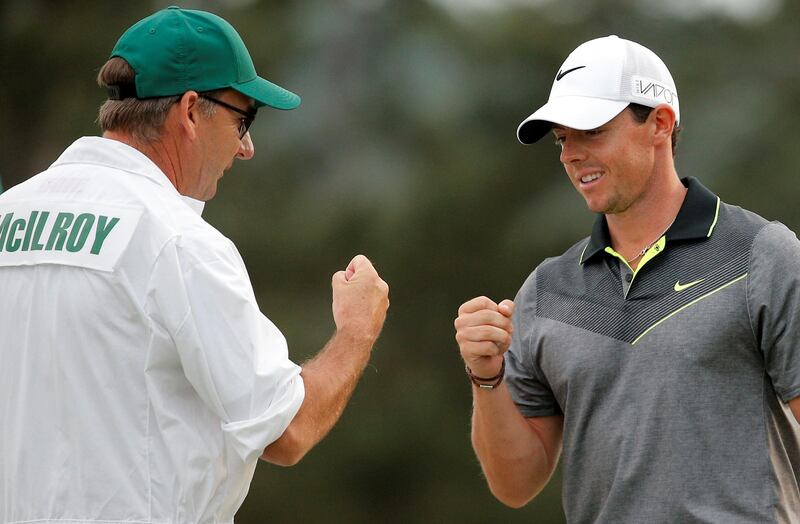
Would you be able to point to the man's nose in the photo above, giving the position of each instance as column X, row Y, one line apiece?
column 570, row 152
column 246, row 148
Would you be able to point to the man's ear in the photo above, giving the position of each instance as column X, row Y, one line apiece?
column 188, row 113
column 663, row 118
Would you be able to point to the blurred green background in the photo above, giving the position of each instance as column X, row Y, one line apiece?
column 404, row 149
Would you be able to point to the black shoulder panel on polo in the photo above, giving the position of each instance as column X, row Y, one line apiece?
column 706, row 245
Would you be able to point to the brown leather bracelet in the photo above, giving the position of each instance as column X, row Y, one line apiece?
column 487, row 383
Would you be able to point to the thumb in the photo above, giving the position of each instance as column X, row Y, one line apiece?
column 506, row 307
column 359, row 263
column 338, row 278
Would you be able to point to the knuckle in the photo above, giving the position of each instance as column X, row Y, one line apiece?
column 483, row 300
column 486, row 331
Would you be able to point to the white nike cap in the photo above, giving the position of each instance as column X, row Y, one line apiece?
column 596, row 82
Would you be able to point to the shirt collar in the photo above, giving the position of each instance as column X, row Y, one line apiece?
column 117, row 155
column 696, row 220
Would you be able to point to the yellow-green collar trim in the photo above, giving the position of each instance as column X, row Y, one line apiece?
column 659, row 246
column 716, row 217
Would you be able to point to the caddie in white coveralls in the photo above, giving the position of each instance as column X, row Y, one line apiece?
column 139, row 381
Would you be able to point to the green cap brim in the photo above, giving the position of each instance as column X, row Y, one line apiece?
column 265, row 93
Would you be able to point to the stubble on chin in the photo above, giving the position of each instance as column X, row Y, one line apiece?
column 608, row 207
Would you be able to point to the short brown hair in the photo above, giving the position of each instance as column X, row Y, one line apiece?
column 142, row 118
column 640, row 114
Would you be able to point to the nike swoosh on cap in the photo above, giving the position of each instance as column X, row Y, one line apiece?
column 562, row 74
column 681, row 287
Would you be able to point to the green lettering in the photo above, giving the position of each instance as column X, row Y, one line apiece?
column 12, row 244
column 29, row 231
column 80, row 232
column 59, row 233
column 104, row 227
column 35, row 245
column 4, row 229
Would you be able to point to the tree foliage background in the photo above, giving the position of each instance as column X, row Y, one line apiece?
column 404, row 149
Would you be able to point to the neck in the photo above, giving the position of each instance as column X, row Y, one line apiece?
column 647, row 219
column 159, row 151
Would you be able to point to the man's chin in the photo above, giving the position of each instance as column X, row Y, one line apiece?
column 206, row 194
column 605, row 207
column 596, row 207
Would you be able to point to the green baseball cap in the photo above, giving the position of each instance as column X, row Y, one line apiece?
column 177, row 50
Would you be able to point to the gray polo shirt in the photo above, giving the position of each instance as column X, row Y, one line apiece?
column 672, row 378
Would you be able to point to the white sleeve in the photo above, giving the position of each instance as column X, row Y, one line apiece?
column 235, row 357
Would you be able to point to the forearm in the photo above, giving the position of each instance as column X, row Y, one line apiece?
column 516, row 458
column 329, row 379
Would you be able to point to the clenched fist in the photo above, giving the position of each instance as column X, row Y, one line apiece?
column 360, row 300
column 483, row 333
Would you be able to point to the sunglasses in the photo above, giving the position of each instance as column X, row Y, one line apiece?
column 247, row 116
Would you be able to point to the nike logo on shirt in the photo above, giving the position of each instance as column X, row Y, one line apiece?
column 562, row 74
column 680, row 287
